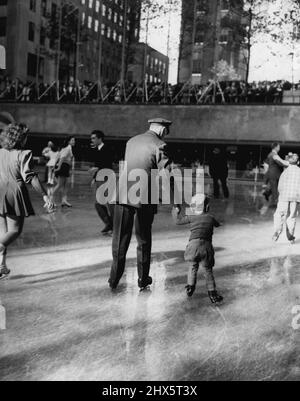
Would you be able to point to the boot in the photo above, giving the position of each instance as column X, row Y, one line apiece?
column 215, row 297
column 190, row 289
column 4, row 272
column 65, row 203
column 144, row 285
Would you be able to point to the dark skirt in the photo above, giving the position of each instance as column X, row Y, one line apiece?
column 64, row 170
column 15, row 200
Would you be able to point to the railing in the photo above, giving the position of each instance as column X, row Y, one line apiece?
column 145, row 93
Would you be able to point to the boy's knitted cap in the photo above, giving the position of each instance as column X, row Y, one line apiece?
column 199, row 200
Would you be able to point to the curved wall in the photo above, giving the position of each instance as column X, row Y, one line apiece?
column 226, row 124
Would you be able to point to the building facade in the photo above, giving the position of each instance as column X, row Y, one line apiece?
column 90, row 33
column 105, row 23
column 211, row 31
column 148, row 64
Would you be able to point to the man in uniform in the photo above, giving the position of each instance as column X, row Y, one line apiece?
column 146, row 152
column 102, row 159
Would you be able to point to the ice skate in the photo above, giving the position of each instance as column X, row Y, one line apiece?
column 145, row 286
column 190, row 289
column 215, row 297
column 4, row 272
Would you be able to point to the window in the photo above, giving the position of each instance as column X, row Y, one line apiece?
column 97, row 6
column 44, row 8
column 202, row 7
column 3, row 26
column 199, row 40
column 90, row 21
column 53, row 10
column 43, row 36
column 52, row 41
column 31, row 29
column 90, row 3
column 83, row 18
column 31, row 64
column 32, row 5
column 225, row 5
column 197, row 64
column 224, row 37
column 96, row 25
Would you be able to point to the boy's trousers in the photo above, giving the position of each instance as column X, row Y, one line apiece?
column 201, row 252
column 286, row 212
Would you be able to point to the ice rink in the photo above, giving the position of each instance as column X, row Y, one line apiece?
column 63, row 322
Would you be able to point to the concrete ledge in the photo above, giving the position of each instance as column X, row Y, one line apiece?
column 234, row 124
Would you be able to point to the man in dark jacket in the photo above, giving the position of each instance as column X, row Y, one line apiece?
column 146, row 152
column 218, row 170
column 102, row 159
column 276, row 165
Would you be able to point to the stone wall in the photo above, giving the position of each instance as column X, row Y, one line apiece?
column 220, row 124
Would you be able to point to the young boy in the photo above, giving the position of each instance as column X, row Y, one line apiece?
column 200, row 248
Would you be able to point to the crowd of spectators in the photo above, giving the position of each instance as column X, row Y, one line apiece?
column 229, row 92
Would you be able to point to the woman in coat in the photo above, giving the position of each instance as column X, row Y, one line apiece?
column 16, row 170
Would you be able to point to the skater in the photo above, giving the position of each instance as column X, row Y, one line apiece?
column 51, row 153
column 48, row 154
column 289, row 199
column 276, row 165
column 200, row 249
column 218, row 170
column 16, row 170
column 62, row 170
column 102, row 159
column 145, row 152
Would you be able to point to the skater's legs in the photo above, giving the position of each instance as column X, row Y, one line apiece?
column 209, row 278
column 280, row 217
column 143, row 232
column 123, row 225
column 10, row 229
column 291, row 220
column 103, row 213
column 225, row 187
column 3, row 230
column 14, row 229
column 274, row 191
column 216, row 187
column 192, row 274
